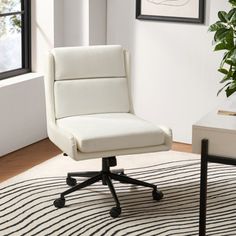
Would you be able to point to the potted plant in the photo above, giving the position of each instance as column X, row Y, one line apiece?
column 225, row 40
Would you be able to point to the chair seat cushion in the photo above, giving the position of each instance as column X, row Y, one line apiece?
column 111, row 131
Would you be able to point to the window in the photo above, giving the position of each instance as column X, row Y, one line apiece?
column 15, row 50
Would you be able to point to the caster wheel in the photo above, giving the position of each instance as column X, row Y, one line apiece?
column 115, row 212
column 157, row 195
column 59, row 203
column 71, row 181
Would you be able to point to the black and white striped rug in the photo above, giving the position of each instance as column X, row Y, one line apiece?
column 26, row 201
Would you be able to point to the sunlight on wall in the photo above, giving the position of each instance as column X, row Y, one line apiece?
column 42, row 32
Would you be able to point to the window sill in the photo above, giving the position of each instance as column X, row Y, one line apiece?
column 19, row 79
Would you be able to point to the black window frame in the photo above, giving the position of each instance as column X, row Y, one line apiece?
column 25, row 40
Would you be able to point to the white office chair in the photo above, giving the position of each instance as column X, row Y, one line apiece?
column 89, row 115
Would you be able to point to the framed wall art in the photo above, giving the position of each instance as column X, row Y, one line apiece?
column 190, row 11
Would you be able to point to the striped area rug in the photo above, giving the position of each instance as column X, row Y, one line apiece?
column 26, row 201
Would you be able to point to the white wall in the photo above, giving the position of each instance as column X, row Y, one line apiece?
column 174, row 71
column 42, row 31
column 97, row 22
column 59, row 23
column 84, row 22
column 76, row 22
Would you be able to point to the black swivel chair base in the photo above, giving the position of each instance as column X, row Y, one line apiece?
column 105, row 175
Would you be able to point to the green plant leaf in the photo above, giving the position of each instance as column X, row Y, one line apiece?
column 234, row 74
column 230, row 90
column 220, row 46
column 229, row 39
column 225, row 58
column 222, row 88
column 227, row 43
column 226, row 78
column 218, row 25
column 233, row 85
column 229, row 62
column 225, row 39
column 223, row 16
column 223, row 71
column 232, row 57
column 221, row 34
column 233, row 2
column 232, row 15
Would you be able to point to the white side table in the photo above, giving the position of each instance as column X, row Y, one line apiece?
column 214, row 136
column 220, row 130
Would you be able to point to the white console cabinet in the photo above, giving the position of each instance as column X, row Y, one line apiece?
column 220, row 130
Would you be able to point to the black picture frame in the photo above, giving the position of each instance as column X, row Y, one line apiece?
column 197, row 20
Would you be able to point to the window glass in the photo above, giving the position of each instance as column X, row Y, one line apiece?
column 10, row 43
column 8, row 6
column 15, row 38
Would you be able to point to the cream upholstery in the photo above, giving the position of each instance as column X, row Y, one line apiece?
column 90, row 96
column 75, row 63
column 111, row 131
column 89, row 110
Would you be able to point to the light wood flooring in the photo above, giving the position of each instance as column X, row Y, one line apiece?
column 25, row 158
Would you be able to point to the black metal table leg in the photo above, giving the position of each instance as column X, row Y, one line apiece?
column 203, row 188
column 205, row 159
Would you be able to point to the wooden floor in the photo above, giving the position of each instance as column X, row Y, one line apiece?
column 25, row 158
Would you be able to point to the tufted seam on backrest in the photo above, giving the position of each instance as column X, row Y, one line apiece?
column 90, row 80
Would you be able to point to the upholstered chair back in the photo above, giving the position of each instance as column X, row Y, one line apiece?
column 90, row 80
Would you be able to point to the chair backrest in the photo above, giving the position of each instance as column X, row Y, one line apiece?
column 89, row 80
